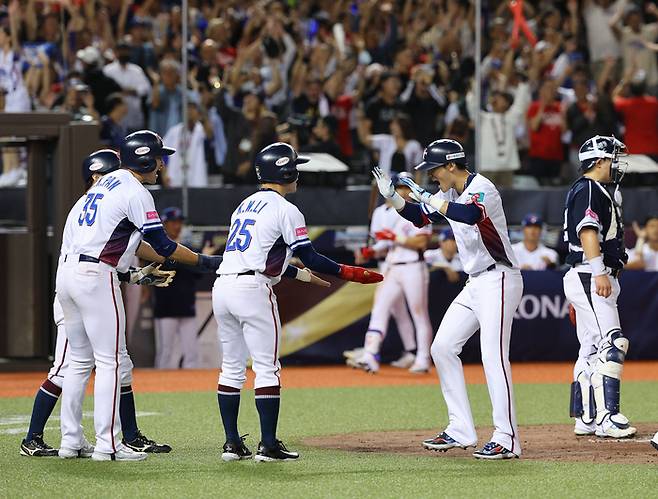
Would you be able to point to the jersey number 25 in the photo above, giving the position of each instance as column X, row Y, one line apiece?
column 239, row 238
column 88, row 214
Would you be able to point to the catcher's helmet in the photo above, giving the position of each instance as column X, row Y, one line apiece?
column 102, row 161
column 441, row 152
column 277, row 164
column 140, row 150
column 603, row 147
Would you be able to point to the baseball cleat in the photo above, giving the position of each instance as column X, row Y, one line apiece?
column 654, row 441
column 615, row 426
column 143, row 444
column 404, row 362
column 37, row 448
column 352, row 354
column 236, row 451
column 122, row 454
column 419, row 367
column 492, row 450
column 442, row 442
column 367, row 362
column 85, row 451
column 583, row 430
column 277, row 453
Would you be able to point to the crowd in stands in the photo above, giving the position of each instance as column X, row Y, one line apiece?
column 366, row 81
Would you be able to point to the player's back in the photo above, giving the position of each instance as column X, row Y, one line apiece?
column 262, row 226
column 99, row 224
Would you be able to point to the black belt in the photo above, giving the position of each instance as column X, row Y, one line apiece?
column 248, row 272
column 615, row 272
column 406, row 263
column 85, row 258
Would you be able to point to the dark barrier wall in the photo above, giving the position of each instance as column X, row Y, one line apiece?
column 326, row 206
column 541, row 331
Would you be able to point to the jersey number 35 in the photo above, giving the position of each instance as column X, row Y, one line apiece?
column 88, row 215
column 239, row 237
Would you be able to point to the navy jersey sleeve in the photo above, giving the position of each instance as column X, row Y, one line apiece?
column 588, row 208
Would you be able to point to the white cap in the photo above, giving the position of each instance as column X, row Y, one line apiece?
column 89, row 55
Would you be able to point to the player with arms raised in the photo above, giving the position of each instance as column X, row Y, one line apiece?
column 472, row 206
column 266, row 230
column 594, row 229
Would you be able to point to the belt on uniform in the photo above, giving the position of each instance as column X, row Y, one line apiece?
column 84, row 258
column 248, row 272
column 406, row 263
column 489, row 268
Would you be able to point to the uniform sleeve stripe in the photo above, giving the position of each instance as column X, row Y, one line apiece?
column 151, row 227
column 300, row 242
column 153, row 223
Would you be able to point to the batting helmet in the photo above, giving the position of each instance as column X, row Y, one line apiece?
column 141, row 149
column 603, row 147
column 277, row 164
column 102, row 161
column 440, row 152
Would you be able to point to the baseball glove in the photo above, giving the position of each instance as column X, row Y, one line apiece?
column 359, row 274
column 151, row 275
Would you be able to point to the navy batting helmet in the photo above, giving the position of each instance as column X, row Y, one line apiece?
column 441, row 152
column 603, row 147
column 277, row 164
column 141, row 149
column 102, row 161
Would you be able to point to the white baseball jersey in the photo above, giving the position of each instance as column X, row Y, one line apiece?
column 265, row 230
column 398, row 253
column 649, row 256
column 436, row 258
column 534, row 260
column 383, row 217
column 487, row 242
column 110, row 219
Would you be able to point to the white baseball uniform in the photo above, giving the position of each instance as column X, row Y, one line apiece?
column 384, row 217
column 649, row 256
column 265, row 229
column 102, row 232
column 534, row 260
column 436, row 258
column 488, row 303
column 405, row 278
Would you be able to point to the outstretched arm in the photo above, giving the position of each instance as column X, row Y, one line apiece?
column 320, row 263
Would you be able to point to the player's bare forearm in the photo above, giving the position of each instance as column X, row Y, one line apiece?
column 185, row 255
column 417, row 243
column 589, row 240
column 146, row 252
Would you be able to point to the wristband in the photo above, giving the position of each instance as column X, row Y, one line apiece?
column 303, row 275
column 437, row 203
column 397, row 201
column 597, row 266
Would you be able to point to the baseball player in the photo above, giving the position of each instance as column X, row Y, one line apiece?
column 446, row 257
column 94, row 167
column 645, row 254
column 531, row 253
column 102, row 231
column 594, row 229
column 407, row 278
column 266, row 230
column 473, row 207
column 384, row 218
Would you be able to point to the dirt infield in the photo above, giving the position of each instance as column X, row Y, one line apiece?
column 540, row 443
column 193, row 380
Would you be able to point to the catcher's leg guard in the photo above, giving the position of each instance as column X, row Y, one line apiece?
column 607, row 375
column 582, row 404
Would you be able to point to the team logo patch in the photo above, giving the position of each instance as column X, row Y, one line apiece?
column 301, row 231
column 590, row 213
column 95, row 166
column 152, row 215
column 455, row 155
column 477, row 197
column 282, row 161
column 140, row 151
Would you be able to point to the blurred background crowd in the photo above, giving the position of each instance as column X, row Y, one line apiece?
column 363, row 80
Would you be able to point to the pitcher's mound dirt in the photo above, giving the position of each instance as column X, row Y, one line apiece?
column 540, row 443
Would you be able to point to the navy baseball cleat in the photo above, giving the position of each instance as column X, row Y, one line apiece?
column 277, row 453
column 442, row 442
column 143, row 444
column 236, row 451
column 492, row 450
column 37, row 448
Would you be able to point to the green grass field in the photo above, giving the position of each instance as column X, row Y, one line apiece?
column 190, row 423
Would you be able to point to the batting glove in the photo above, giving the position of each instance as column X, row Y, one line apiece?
column 367, row 252
column 387, row 189
column 389, row 235
column 359, row 274
column 151, row 275
column 417, row 192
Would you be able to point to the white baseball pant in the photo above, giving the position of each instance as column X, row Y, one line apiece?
column 247, row 315
column 176, row 337
column 95, row 327
column 488, row 303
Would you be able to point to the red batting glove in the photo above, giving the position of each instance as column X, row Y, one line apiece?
column 387, row 235
column 359, row 274
column 572, row 314
column 367, row 252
